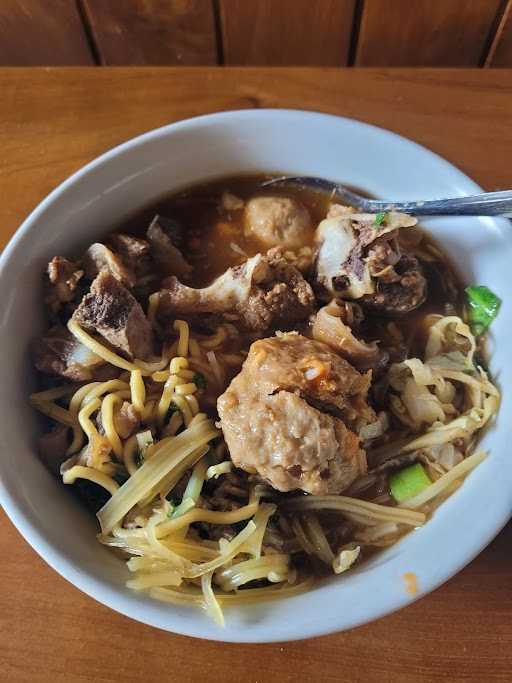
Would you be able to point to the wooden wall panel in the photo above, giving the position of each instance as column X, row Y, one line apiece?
column 500, row 53
column 425, row 32
column 286, row 32
column 153, row 32
column 39, row 32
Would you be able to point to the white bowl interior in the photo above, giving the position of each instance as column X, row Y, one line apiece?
column 112, row 188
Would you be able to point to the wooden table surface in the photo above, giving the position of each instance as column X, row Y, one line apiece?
column 53, row 120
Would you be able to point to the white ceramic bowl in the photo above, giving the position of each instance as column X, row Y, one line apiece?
column 110, row 188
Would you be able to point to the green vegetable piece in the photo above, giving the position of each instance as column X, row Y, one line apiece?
column 380, row 218
column 139, row 458
column 199, row 380
column 483, row 306
column 408, row 482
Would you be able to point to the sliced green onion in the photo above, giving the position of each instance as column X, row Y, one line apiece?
column 408, row 482
column 380, row 218
column 483, row 307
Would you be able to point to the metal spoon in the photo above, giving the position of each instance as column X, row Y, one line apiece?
column 485, row 204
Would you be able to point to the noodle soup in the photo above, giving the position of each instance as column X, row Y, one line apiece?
column 252, row 389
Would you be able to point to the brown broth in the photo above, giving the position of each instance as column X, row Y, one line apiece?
column 211, row 233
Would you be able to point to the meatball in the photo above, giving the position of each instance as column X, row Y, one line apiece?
column 275, row 221
column 292, row 415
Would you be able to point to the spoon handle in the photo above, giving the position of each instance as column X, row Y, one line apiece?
column 485, row 204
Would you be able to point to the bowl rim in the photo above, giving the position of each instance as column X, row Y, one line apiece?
column 96, row 588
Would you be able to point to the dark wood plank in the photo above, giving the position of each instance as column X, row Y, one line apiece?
column 153, row 32
column 425, row 32
column 500, row 53
column 39, row 32
column 288, row 32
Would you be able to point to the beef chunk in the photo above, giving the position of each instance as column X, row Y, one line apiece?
column 263, row 293
column 53, row 447
column 63, row 276
column 100, row 258
column 133, row 251
column 112, row 312
column 402, row 294
column 59, row 353
column 164, row 251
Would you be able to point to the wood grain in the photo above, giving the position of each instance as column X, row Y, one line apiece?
column 288, row 32
column 156, row 32
column 500, row 53
column 33, row 32
column 52, row 632
column 425, row 32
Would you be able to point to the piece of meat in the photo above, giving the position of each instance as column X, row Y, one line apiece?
column 99, row 258
column 263, row 293
column 134, row 251
column 112, row 312
column 164, row 250
column 383, row 255
column 292, row 413
column 59, row 353
column 126, row 420
column 53, row 447
column 351, row 249
column 403, row 294
column 64, row 276
column 277, row 221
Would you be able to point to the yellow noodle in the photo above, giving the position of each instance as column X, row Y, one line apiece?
column 153, row 303
column 55, row 412
column 100, row 478
column 182, row 404
column 98, row 348
column 184, row 333
column 169, row 482
column 344, row 504
column 174, row 424
column 249, row 570
column 166, row 398
column 215, row 340
column 163, row 578
column 211, row 604
column 107, row 420
column 148, row 413
column 193, row 348
column 192, row 403
column 101, row 388
column 210, row 516
column 318, row 539
column 78, row 440
column 52, row 394
column 77, row 398
column 84, row 417
column 130, row 450
column 184, row 389
column 138, row 391
column 153, row 471
column 301, row 537
column 192, row 597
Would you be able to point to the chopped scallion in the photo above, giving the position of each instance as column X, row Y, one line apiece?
column 380, row 218
column 408, row 482
column 483, row 307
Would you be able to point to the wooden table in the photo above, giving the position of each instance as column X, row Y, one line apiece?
column 53, row 120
